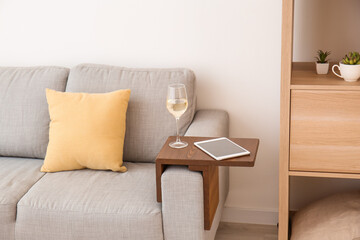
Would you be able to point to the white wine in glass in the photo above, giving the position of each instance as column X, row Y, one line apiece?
column 177, row 104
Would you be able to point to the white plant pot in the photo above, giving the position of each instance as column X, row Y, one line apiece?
column 322, row 68
column 350, row 73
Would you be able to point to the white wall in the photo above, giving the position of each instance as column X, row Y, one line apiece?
column 330, row 25
column 233, row 46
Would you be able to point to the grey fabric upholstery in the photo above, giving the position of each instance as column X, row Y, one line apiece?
column 182, row 190
column 148, row 122
column 182, row 204
column 24, row 121
column 17, row 175
column 209, row 123
column 88, row 204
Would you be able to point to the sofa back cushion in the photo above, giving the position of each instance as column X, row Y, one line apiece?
column 148, row 123
column 24, row 116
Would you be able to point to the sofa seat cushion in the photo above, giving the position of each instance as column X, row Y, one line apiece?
column 17, row 176
column 148, row 122
column 89, row 204
column 24, row 115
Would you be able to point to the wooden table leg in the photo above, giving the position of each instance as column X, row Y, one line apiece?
column 160, row 168
column 211, row 192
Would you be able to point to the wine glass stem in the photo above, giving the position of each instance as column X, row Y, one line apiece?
column 177, row 130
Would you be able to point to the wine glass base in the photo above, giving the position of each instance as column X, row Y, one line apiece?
column 178, row 144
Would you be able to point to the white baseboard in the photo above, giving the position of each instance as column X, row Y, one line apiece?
column 253, row 216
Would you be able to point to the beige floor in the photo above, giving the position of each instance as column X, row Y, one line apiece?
column 232, row 231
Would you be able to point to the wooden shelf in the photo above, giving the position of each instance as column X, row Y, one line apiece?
column 303, row 76
column 324, row 174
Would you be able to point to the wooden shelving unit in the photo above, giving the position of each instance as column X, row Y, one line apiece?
column 303, row 76
column 319, row 122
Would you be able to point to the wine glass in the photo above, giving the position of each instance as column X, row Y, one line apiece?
column 177, row 104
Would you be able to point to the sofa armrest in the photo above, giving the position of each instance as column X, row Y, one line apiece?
column 182, row 204
column 182, row 189
column 209, row 123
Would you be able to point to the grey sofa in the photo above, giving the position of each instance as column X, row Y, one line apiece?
column 88, row 204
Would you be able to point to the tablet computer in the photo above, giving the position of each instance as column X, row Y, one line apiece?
column 221, row 148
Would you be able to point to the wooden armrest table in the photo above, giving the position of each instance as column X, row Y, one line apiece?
column 197, row 160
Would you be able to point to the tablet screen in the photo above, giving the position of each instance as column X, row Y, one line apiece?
column 221, row 147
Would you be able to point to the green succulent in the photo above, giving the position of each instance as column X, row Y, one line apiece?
column 352, row 58
column 321, row 56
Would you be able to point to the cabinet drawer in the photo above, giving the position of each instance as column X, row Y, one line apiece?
column 325, row 131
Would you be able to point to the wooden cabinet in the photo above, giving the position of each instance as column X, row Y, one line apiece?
column 325, row 131
column 319, row 122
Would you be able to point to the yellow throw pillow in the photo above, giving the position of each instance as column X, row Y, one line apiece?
column 86, row 130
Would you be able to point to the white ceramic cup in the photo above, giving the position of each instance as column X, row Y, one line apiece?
column 350, row 73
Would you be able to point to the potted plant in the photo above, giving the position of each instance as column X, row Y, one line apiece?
column 322, row 64
column 349, row 67
column 352, row 59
